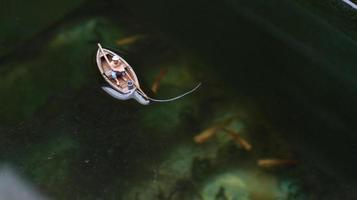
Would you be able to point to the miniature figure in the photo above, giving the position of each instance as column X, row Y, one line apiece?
column 122, row 80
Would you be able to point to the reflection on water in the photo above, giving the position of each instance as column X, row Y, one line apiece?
column 13, row 187
column 353, row 5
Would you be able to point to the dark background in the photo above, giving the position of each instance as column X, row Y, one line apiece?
column 286, row 67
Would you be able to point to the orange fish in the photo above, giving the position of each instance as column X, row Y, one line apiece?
column 156, row 84
column 130, row 40
column 238, row 139
column 269, row 163
column 212, row 131
column 206, row 135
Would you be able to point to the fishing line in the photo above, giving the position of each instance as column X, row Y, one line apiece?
column 171, row 99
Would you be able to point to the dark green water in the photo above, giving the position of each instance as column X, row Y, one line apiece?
column 284, row 70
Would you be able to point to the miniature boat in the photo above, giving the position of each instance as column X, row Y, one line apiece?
column 128, row 86
column 125, row 89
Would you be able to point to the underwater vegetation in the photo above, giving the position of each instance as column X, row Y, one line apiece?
column 274, row 118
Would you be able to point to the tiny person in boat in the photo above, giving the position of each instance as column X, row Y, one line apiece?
column 118, row 69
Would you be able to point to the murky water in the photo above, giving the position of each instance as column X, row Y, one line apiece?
column 273, row 119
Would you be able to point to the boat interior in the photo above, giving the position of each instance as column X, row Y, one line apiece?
column 123, row 81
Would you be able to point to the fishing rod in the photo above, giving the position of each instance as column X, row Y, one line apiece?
column 141, row 92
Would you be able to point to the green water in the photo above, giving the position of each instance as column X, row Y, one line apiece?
column 284, row 70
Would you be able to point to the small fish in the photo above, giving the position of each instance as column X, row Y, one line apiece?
column 212, row 131
column 270, row 163
column 239, row 140
column 130, row 39
column 156, row 84
column 206, row 134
